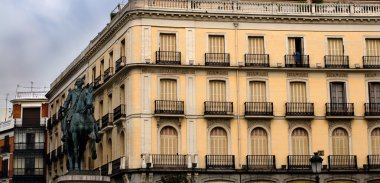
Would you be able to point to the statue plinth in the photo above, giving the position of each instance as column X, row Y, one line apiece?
column 83, row 176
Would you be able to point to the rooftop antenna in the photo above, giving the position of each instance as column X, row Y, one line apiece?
column 6, row 106
column 31, row 86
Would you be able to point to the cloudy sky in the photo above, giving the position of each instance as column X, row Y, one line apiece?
column 39, row 38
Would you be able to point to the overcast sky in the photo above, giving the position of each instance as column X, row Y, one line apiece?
column 39, row 38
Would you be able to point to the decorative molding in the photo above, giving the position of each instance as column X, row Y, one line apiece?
column 297, row 75
column 336, row 75
column 299, row 123
column 222, row 122
column 168, row 71
column 257, row 73
column 162, row 121
column 372, row 75
column 217, row 72
column 335, row 123
column 254, row 123
column 371, row 124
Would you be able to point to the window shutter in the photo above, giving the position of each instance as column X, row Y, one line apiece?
column 373, row 47
column 259, row 142
column 335, row 46
column 218, row 141
column 168, row 42
column 168, row 89
column 340, row 142
column 218, row 91
column 168, row 141
column 300, row 142
column 257, row 91
column 298, row 92
column 256, row 45
column 216, row 44
column 291, row 46
column 375, row 141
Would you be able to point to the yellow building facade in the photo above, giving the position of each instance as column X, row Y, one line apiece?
column 224, row 91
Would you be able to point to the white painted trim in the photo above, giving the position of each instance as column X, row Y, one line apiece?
column 252, row 79
column 179, row 149
column 190, row 95
column 213, row 78
column 146, row 49
column 129, row 47
column 290, row 145
column 345, row 81
column 176, row 78
column 306, row 81
column 191, row 136
column 349, row 139
column 209, row 135
column 146, row 93
column 269, row 135
column 146, row 136
column 190, row 45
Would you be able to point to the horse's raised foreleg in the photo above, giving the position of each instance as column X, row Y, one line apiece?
column 76, row 150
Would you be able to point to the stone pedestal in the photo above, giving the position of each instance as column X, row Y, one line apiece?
column 83, row 176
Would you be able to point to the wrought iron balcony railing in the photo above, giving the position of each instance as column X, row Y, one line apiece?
column 120, row 63
column 339, row 109
column 220, row 162
column 168, row 107
column 373, row 161
column 169, row 161
column 297, row 61
column 168, row 57
column 28, row 171
column 107, row 120
column 119, row 112
column 299, row 109
column 97, row 82
column 342, row 162
column 108, row 74
column 104, row 169
column 261, row 162
column 336, row 61
column 371, row 62
column 5, row 149
column 217, row 59
column 299, row 162
column 218, row 108
column 257, row 60
column 29, row 146
column 258, row 108
column 372, row 109
column 119, row 164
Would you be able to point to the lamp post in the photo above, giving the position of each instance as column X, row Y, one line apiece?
column 316, row 165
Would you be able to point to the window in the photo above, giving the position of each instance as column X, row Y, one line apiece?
column 217, row 91
column 295, row 46
column 167, row 42
column 259, row 142
column 298, row 92
column 93, row 73
column 122, row 94
column 374, row 92
column 340, row 142
column 100, row 109
column 216, row 44
column 110, row 109
column 101, row 67
column 168, row 140
column 375, row 141
column 122, row 48
column 337, row 92
column 335, row 46
column 256, row 45
column 168, row 89
column 218, row 141
column 300, row 142
column 257, row 89
column 31, row 116
column 372, row 47
column 110, row 59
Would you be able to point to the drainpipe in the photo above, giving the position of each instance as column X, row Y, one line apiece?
column 237, row 92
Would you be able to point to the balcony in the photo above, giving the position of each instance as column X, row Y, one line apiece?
column 261, row 162
column 342, row 162
column 299, row 109
column 217, row 59
column 104, row 169
column 336, row 61
column 30, row 146
column 371, row 62
column 257, row 60
column 97, row 82
column 119, row 164
column 119, row 113
column 120, row 63
column 108, row 74
column 169, row 161
column 345, row 110
column 220, row 162
column 299, row 162
column 168, row 107
column 301, row 61
column 218, row 108
column 168, row 58
column 107, row 122
column 48, row 124
column 28, row 171
column 258, row 109
column 372, row 109
column 5, row 149
column 373, row 162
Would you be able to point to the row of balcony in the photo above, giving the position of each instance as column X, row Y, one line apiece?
column 262, row 60
column 56, row 154
column 260, row 163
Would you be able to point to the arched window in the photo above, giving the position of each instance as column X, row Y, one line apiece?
column 300, row 142
column 340, row 144
column 168, row 140
column 375, row 141
column 259, row 142
column 218, row 141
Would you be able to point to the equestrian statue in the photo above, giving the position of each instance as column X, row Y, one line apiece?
column 78, row 125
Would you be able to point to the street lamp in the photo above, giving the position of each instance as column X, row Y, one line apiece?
column 316, row 165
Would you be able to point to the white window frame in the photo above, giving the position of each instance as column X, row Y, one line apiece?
column 345, row 81
column 308, row 135
column 349, row 138
column 249, row 149
column 159, row 78
column 306, row 81
column 222, row 78
column 159, row 137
